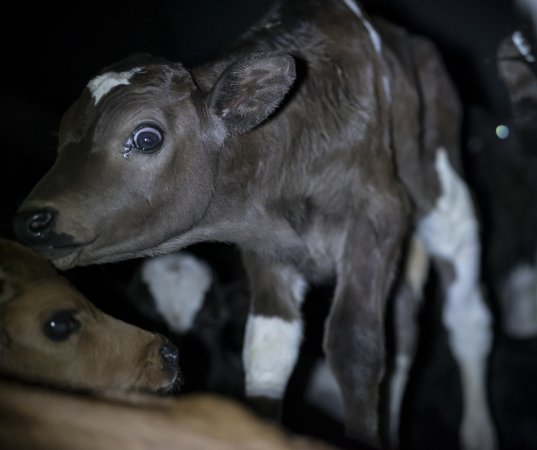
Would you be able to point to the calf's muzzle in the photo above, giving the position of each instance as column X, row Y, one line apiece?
column 36, row 228
column 169, row 354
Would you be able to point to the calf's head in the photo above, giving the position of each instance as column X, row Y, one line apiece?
column 138, row 155
column 49, row 332
column 517, row 67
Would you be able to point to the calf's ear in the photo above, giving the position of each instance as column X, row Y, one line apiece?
column 251, row 89
column 20, row 265
column 8, row 288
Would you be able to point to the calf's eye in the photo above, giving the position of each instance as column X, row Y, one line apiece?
column 61, row 325
column 147, row 138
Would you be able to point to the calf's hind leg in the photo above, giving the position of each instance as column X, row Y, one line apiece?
column 450, row 233
column 354, row 340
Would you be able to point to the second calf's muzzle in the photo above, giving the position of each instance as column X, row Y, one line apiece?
column 169, row 355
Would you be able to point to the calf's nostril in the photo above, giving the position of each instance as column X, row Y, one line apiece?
column 40, row 221
column 34, row 226
column 169, row 353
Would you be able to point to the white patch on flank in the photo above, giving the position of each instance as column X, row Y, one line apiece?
column 323, row 391
column 178, row 284
column 450, row 232
column 523, row 46
column 518, row 297
column 104, row 83
column 375, row 38
column 270, row 352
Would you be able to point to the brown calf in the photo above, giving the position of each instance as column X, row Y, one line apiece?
column 320, row 144
column 49, row 332
column 36, row 418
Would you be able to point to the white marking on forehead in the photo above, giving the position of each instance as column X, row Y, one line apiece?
column 523, row 46
column 375, row 38
column 178, row 284
column 104, row 83
column 270, row 352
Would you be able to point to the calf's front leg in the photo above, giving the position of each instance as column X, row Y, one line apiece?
column 273, row 331
column 355, row 333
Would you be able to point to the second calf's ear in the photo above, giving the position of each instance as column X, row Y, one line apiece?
column 251, row 89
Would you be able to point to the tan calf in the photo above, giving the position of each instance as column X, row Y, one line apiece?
column 37, row 418
column 50, row 332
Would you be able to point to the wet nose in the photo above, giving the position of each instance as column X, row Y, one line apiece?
column 169, row 354
column 33, row 227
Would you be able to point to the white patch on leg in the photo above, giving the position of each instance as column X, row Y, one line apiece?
column 450, row 232
column 271, row 347
column 518, row 297
column 178, row 284
column 104, row 83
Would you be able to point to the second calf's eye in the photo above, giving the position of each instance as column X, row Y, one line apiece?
column 61, row 325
